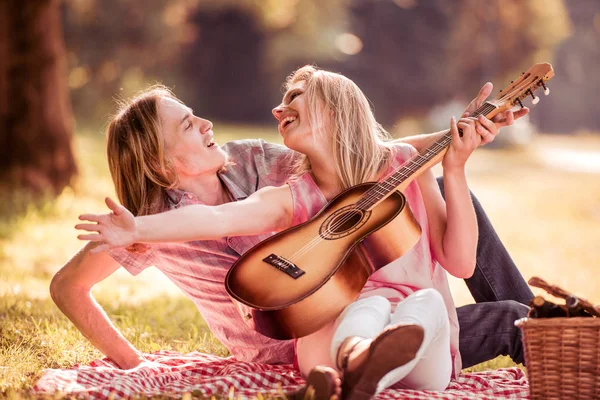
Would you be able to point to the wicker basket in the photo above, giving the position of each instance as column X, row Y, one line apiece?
column 562, row 357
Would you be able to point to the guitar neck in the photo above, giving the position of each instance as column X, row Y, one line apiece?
column 420, row 162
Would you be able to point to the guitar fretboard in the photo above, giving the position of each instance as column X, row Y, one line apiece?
column 414, row 164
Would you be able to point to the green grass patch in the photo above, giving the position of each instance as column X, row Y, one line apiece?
column 36, row 335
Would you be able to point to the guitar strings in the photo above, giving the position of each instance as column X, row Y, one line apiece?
column 485, row 109
column 373, row 192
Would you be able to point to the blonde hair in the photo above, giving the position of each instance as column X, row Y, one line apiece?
column 135, row 149
column 360, row 144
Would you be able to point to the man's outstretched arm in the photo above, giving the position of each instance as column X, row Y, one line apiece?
column 71, row 291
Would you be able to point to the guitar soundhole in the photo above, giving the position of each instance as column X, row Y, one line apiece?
column 343, row 222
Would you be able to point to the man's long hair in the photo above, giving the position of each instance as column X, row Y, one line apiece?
column 139, row 166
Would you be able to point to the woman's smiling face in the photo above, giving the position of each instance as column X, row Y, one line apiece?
column 296, row 125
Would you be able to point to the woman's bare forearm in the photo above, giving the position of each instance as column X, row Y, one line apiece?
column 267, row 210
column 421, row 141
column 460, row 237
column 194, row 222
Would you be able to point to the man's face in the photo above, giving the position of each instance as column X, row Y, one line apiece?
column 189, row 140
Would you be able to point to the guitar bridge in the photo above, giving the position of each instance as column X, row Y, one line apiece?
column 284, row 265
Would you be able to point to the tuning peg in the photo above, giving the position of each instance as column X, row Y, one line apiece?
column 546, row 90
column 534, row 97
column 520, row 102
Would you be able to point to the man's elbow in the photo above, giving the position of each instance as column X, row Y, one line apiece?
column 62, row 289
column 57, row 287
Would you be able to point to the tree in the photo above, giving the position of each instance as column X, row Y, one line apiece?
column 35, row 110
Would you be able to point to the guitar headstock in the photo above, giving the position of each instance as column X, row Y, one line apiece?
column 534, row 78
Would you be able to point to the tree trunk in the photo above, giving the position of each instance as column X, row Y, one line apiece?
column 35, row 110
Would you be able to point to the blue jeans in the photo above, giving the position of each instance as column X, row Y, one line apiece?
column 487, row 328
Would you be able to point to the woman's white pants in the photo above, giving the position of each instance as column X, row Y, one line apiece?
column 431, row 369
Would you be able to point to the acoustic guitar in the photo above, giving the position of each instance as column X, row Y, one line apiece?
column 295, row 282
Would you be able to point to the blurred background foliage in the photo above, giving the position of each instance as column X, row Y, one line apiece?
column 227, row 59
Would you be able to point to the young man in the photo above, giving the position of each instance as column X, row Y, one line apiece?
column 161, row 157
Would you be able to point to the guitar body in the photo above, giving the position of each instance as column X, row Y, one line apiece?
column 295, row 282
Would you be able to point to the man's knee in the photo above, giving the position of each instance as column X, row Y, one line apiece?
column 513, row 309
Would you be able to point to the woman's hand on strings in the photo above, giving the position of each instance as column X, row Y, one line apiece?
column 485, row 130
column 463, row 143
column 113, row 230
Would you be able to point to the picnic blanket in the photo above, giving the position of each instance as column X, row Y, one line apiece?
column 203, row 375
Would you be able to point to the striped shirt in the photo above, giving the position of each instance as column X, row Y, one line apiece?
column 199, row 268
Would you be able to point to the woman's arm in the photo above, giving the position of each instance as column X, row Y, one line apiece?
column 267, row 210
column 71, row 290
column 486, row 129
column 453, row 223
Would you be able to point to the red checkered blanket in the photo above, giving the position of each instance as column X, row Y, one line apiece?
column 205, row 375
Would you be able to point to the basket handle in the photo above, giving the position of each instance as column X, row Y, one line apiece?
column 557, row 291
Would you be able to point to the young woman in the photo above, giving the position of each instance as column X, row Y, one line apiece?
column 326, row 117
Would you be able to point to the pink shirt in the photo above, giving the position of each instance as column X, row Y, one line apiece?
column 198, row 268
column 416, row 270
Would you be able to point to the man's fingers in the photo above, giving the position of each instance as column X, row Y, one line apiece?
column 521, row 113
column 484, row 92
column 484, row 134
column 114, row 206
column 469, row 129
column 88, row 227
column 466, row 133
column 90, row 217
column 454, row 129
column 486, row 126
column 507, row 118
column 94, row 237
column 510, row 118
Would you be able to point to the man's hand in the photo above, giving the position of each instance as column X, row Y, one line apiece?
column 147, row 365
column 114, row 230
column 488, row 130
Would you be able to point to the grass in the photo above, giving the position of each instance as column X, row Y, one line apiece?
column 36, row 335
column 546, row 212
